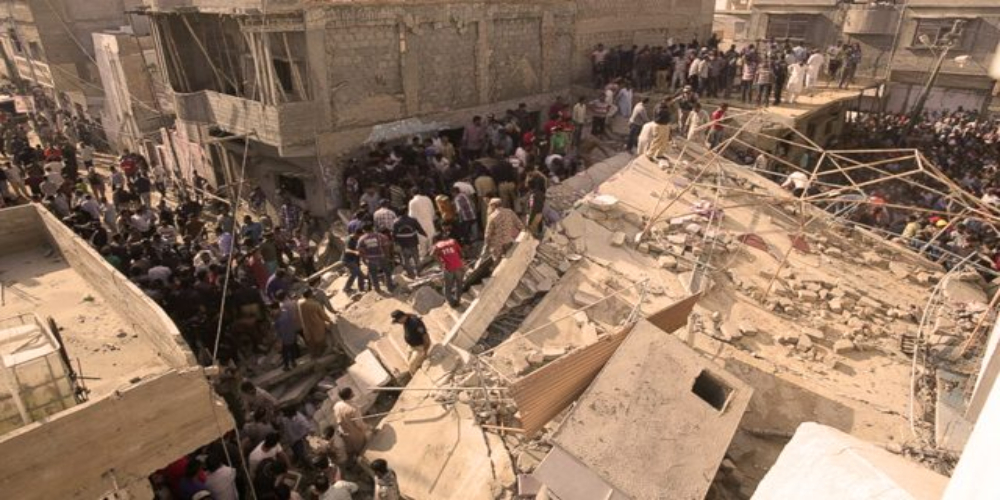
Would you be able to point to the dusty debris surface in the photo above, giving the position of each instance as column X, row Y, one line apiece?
column 818, row 319
column 101, row 343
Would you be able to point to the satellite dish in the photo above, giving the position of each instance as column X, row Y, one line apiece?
column 962, row 60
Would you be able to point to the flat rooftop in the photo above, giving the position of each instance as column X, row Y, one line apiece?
column 98, row 340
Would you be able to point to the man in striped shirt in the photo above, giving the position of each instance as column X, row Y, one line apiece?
column 599, row 109
column 384, row 217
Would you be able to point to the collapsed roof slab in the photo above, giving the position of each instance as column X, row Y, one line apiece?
column 823, row 463
column 658, row 418
column 491, row 300
column 437, row 450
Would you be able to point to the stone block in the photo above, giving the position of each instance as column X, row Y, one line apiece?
column 618, row 239
column 843, row 345
column 425, row 299
column 573, row 225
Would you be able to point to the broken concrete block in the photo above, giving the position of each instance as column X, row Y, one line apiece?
column 643, row 247
column 813, row 333
column 804, row 344
column 788, row 338
column 618, row 239
column 677, row 239
column 808, row 296
column 634, row 219
column 573, row 225
column 730, row 332
column 550, row 353
column 581, row 318
column 425, row 299
column 535, row 358
column 667, row 262
column 836, row 306
column 748, row 330
column 843, row 345
column 579, row 246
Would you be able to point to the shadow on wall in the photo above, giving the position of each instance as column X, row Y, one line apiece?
column 779, row 405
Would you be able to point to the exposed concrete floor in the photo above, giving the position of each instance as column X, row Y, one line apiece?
column 865, row 394
column 107, row 348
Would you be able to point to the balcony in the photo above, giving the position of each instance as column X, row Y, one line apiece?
column 871, row 20
column 35, row 71
column 284, row 126
column 222, row 6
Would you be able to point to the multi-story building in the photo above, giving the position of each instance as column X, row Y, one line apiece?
column 297, row 84
column 136, row 109
column 49, row 43
column 900, row 43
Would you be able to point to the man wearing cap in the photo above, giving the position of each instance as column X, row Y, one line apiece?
column 416, row 336
column 502, row 228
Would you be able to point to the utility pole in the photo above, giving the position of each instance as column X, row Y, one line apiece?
column 944, row 44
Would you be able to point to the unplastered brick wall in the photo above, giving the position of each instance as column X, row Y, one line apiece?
column 516, row 62
column 363, row 68
column 445, row 58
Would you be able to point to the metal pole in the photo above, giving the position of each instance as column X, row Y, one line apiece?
column 918, row 106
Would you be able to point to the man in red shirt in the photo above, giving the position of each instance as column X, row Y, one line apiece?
column 718, row 116
column 449, row 253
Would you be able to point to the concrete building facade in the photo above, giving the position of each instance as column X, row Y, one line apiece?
column 890, row 38
column 136, row 108
column 298, row 84
column 49, row 43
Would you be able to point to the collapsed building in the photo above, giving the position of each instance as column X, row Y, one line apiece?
column 291, row 85
column 97, row 387
column 688, row 330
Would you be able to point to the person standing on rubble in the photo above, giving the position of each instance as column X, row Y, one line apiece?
column 374, row 249
column 502, row 228
column 350, row 422
column 416, row 336
column 449, row 253
column 315, row 323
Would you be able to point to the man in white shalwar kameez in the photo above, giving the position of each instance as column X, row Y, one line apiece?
column 796, row 81
column 421, row 208
column 814, row 66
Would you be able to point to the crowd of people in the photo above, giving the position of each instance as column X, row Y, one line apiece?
column 761, row 74
column 242, row 285
column 964, row 146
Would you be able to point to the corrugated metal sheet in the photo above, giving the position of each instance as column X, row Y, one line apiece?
column 544, row 393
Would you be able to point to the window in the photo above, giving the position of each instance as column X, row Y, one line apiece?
column 283, row 70
column 15, row 42
column 36, row 50
column 793, row 26
column 711, row 390
column 936, row 29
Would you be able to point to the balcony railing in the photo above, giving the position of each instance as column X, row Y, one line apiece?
column 283, row 126
column 41, row 74
column 871, row 20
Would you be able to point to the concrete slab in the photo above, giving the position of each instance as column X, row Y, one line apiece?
column 822, row 463
column 951, row 429
column 658, row 403
column 505, row 278
column 438, row 452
